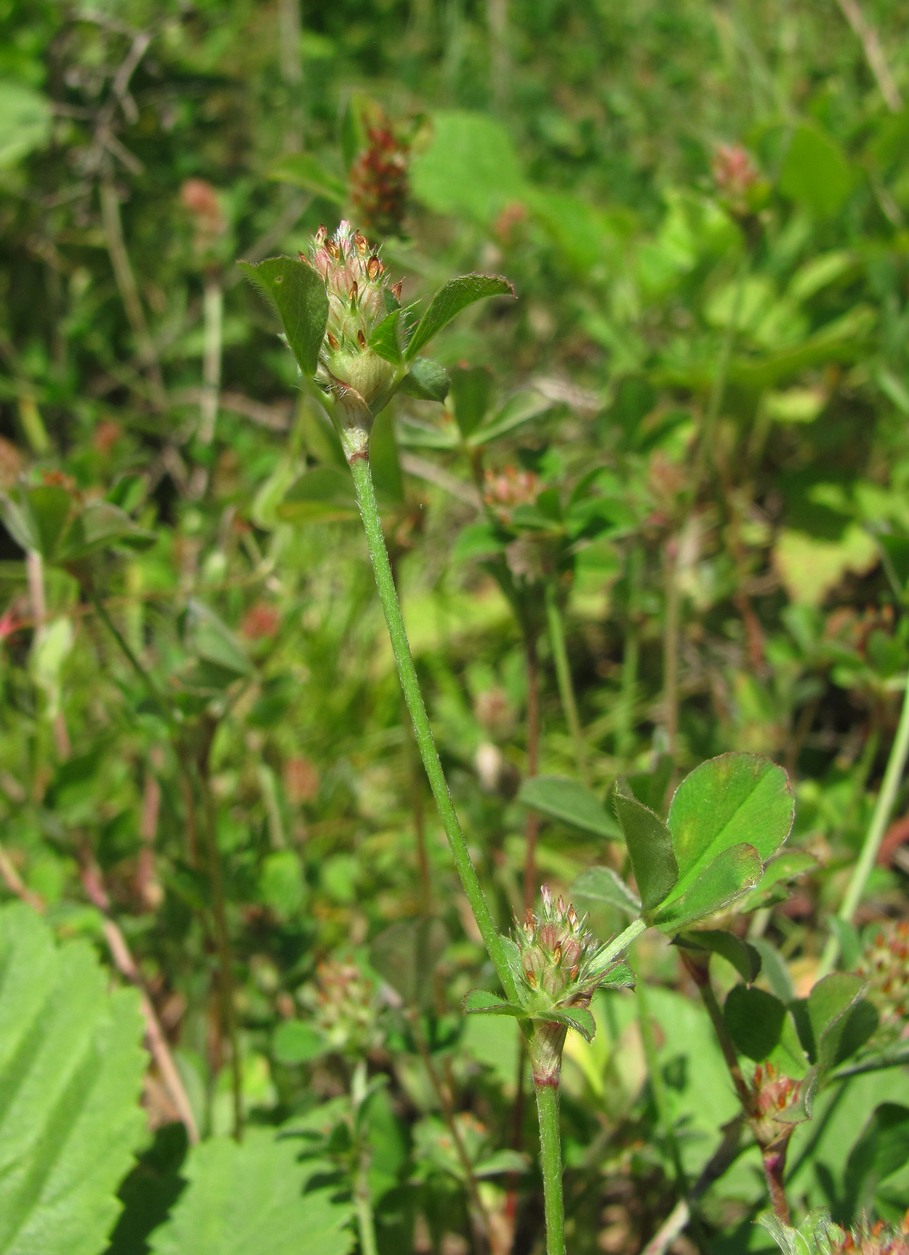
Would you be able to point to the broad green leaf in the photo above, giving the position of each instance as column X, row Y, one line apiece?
column 727, row 817
column 831, row 1004
column 727, row 800
column 881, row 1150
column 815, row 172
column 649, row 847
column 38, row 518
column 448, row 303
column 744, row 957
column 99, row 526
column 812, row 566
column 715, row 884
column 762, row 1034
column 602, row 884
column 71, row 1066
column 295, row 1041
column 569, row 802
column 250, row 1197
column 426, row 379
column 469, row 170
column 282, row 887
column 298, row 294
column 756, row 1021
column 26, row 121
column 306, row 171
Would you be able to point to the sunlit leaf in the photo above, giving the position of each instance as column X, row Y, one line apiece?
column 448, row 303
column 298, row 294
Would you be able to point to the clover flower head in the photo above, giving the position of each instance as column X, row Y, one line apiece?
column 360, row 298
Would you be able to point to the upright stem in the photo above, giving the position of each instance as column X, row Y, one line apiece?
column 410, row 685
column 547, row 1097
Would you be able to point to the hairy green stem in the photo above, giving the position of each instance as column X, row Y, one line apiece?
column 880, row 818
column 547, row 1097
column 410, row 685
column 563, row 679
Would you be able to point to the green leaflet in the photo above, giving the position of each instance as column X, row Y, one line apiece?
column 71, row 1066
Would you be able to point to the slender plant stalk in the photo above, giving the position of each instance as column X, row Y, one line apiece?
column 410, row 685
column 880, row 818
column 564, row 681
column 547, row 1097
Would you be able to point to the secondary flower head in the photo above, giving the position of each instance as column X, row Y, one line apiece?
column 360, row 299
column 885, row 966
column 562, row 966
column 554, row 945
column 774, row 1099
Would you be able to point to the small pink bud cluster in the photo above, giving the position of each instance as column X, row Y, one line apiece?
column 561, row 967
column 202, row 202
column 359, row 299
column 378, row 180
column 773, row 1095
column 875, row 1239
column 553, row 947
column 509, row 488
column 885, row 966
column 343, row 1001
column 738, row 180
